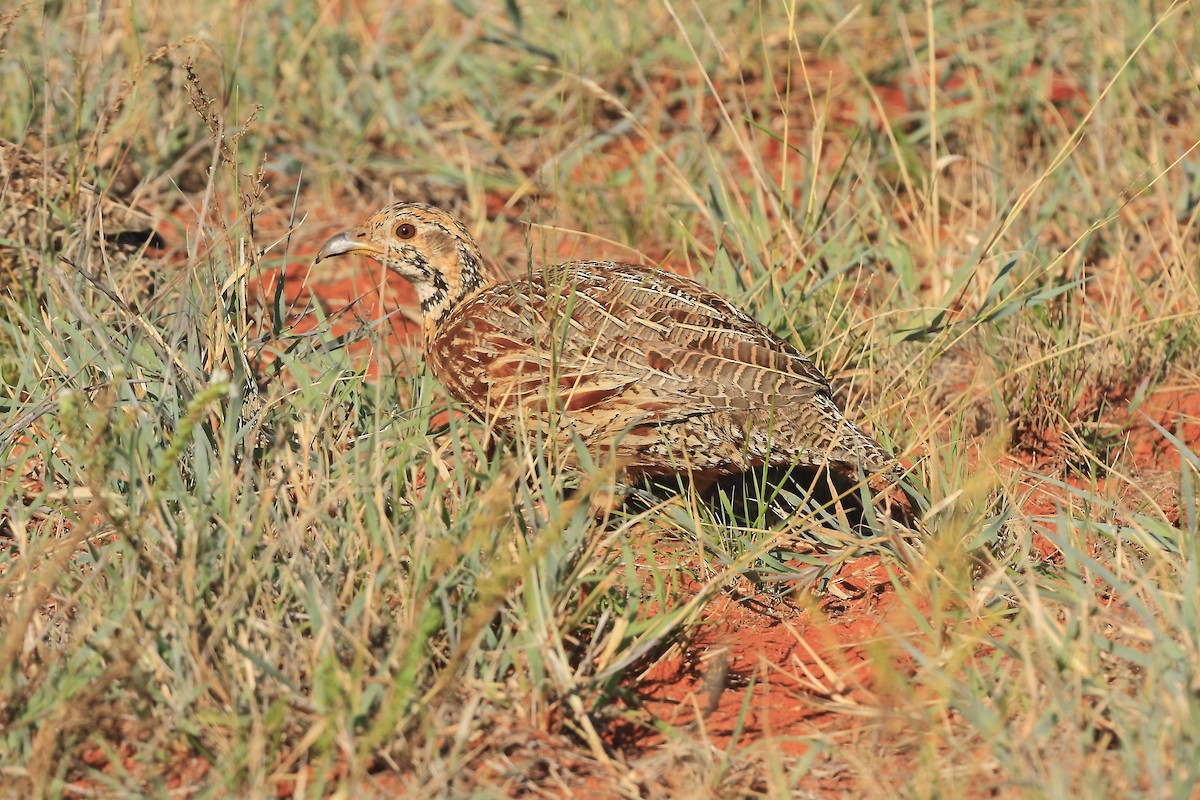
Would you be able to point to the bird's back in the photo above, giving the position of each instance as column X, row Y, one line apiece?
column 644, row 364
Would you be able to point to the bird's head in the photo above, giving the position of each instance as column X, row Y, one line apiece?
column 424, row 245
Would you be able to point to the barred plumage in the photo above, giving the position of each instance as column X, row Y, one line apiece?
column 642, row 365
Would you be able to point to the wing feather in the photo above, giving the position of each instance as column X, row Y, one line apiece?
column 599, row 335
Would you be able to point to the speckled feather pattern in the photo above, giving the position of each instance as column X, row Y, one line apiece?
column 644, row 366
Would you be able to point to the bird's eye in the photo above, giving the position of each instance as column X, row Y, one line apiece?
column 405, row 231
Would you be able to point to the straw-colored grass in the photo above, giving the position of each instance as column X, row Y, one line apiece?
column 243, row 554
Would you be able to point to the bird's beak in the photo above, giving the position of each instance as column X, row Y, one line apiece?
column 350, row 241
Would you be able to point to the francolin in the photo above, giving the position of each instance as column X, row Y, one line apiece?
column 644, row 366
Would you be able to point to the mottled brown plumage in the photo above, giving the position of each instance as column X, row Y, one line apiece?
column 641, row 364
column 43, row 211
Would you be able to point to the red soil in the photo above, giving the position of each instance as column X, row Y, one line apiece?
column 754, row 672
column 759, row 671
column 1176, row 411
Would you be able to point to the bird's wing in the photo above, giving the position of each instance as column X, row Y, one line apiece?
column 599, row 337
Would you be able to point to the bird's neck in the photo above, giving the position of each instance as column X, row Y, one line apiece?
column 446, row 289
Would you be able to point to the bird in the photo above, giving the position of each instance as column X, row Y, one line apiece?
column 42, row 209
column 643, row 366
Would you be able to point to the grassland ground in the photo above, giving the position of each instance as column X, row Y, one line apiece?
column 248, row 549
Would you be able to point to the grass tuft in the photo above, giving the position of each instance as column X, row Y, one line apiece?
column 244, row 550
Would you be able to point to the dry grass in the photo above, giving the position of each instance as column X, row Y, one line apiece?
column 235, row 561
